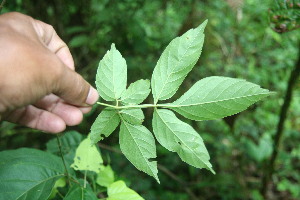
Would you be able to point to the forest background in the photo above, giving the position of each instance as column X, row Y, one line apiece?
column 256, row 154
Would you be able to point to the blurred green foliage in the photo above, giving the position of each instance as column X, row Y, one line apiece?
column 240, row 42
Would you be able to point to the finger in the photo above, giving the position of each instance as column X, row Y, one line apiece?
column 36, row 118
column 72, row 88
column 71, row 115
column 54, row 43
column 84, row 110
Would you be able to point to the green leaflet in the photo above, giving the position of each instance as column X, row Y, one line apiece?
column 77, row 192
column 60, row 183
column 28, row 174
column 111, row 75
column 138, row 145
column 119, row 191
column 69, row 142
column 133, row 116
column 105, row 177
column 87, row 157
column 176, row 62
column 179, row 137
column 137, row 92
column 104, row 125
column 217, row 97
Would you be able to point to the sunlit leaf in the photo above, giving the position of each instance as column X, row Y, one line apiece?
column 87, row 157
column 119, row 191
column 105, row 177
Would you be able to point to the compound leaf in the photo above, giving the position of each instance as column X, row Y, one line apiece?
column 105, row 177
column 28, row 174
column 137, row 92
column 111, row 75
column 217, row 97
column 180, row 137
column 176, row 62
column 138, row 145
column 133, row 116
column 87, row 157
column 106, row 122
column 119, row 191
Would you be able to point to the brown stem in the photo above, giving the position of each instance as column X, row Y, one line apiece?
column 280, row 126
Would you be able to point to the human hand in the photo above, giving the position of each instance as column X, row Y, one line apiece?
column 38, row 85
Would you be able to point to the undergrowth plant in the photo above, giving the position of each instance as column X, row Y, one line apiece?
column 79, row 172
column 209, row 98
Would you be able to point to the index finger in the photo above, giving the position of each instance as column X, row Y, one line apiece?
column 53, row 42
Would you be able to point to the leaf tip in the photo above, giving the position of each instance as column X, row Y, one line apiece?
column 202, row 26
column 113, row 46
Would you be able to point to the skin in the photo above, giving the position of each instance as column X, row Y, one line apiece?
column 38, row 85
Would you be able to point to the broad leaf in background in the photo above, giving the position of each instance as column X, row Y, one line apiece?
column 260, row 151
column 106, row 122
column 217, row 97
column 138, row 145
column 28, row 174
column 119, row 191
column 105, row 177
column 133, row 116
column 87, row 157
column 179, row 137
column 111, row 78
column 77, row 192
column 137, row 92
column 176, row 62
column 69, row 143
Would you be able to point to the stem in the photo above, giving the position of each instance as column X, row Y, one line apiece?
column 63, row 159
column 139, row 106
column 2, row 5
column 295, row 73
column 84, row 184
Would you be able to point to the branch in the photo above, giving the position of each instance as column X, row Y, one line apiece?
column 280, row 126
column 2, row 5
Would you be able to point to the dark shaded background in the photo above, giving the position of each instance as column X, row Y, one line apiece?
column 240, row 43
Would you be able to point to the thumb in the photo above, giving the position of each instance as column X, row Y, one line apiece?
column 72, row 88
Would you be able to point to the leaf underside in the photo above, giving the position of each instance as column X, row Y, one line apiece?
column 138, row 145
column 180, row 137
column 111, row 75
column 104, row 125
column 217, row 97
column 176, row 62
column 136, row 93
column 133, row 116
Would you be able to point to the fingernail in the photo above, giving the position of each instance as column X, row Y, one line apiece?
column 92, row 96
